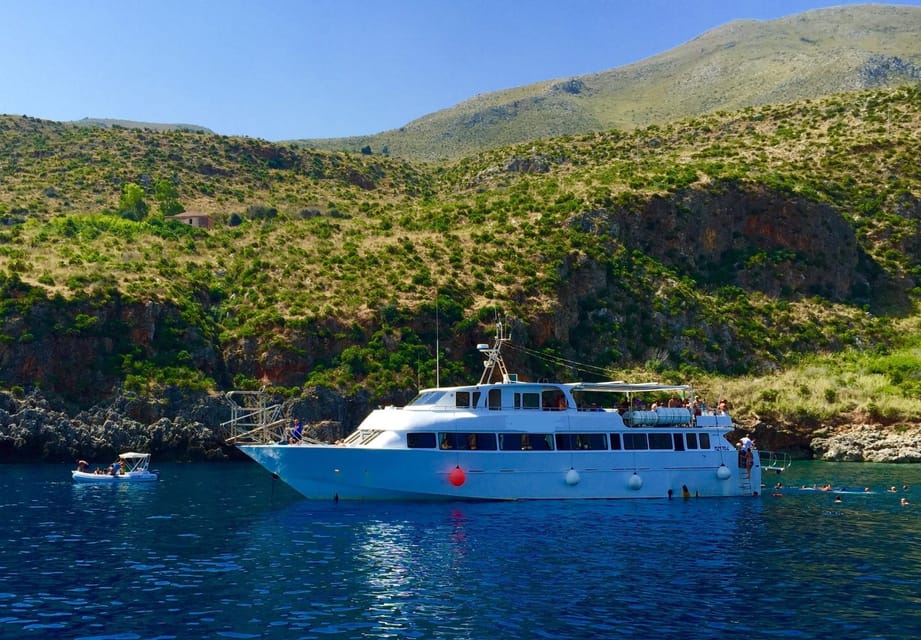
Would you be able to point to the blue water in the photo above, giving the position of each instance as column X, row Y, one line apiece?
column 223, row 551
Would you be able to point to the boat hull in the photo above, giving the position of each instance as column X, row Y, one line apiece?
column 126, row 478
column 360, row 473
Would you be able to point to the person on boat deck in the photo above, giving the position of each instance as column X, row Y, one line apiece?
column 296, row 432
column 722, row 407
column 115, row 469
column 747, row 443
column 82, row 465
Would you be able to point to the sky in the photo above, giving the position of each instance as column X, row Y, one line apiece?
column 291, row 69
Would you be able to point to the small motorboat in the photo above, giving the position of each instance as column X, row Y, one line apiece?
column 133, row 467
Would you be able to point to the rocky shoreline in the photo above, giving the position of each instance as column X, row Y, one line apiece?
column 178, row 427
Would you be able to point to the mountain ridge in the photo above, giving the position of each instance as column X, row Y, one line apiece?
column 740, row 64
column 736, row 65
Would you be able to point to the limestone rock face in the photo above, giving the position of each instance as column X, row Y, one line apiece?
column 752, row 238
column 870, row 443
column 181, row 428
column 31, row 429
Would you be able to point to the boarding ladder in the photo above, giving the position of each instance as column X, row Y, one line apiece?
column 253, row 420
column 775, row 461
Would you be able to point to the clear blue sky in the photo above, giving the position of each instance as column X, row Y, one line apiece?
column 286, row 69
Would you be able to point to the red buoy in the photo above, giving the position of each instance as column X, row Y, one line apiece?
column 457, row 477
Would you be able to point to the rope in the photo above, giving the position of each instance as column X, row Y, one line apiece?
column 559, row 360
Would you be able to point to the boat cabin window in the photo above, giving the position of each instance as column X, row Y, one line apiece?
column 615, row 441
column 525, row 442
column 527, row 400
column 494, row 399
column 429, row 397
column 660, row 441
column 635, row 441
column 466, row 399
column 583, row 441
column 553, row 400
column 468, row 441
column 679, row 441
column 691, row 439
column 704, row 439
column 420, row 440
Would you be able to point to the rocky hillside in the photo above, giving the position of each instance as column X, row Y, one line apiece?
column 740, row 244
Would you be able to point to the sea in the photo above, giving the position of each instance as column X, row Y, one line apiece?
column 223, row 550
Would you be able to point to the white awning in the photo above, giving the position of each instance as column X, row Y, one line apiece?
column 627, row 387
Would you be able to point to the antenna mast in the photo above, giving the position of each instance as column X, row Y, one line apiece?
column 437, row 344
column 494, row 357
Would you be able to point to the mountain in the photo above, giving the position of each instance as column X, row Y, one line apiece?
column 741, row 64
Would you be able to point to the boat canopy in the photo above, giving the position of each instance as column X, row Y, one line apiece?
column 626, row 387
column 616, row 386
column 132, row 455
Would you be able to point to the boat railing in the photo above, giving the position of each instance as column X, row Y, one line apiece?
column 774, row 461
column 253, row 420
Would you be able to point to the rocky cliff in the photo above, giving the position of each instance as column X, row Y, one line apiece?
column 184, row 428
column 628, row 301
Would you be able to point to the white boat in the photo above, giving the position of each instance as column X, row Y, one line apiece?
column 511, row 440
column 135, row 469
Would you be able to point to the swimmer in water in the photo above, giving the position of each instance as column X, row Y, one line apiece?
column 904, row 502
column 838, row 499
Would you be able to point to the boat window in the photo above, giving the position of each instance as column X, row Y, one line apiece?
column 585, row 441
column 462, row 399
column 530, row 400
column 525, row 442
column 635, row 441
column 476, row 399
column 615, row 441
column 420, row 440
column 553, row 399
column 691, row 439
column 495, row 399
column 468, row 441
column 704, row 440
column 482, row 441
column 660, row 441
column 429, row 397
column 679, row 441
column 527, row 400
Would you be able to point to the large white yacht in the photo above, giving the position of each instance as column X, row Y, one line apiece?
column 512, row 440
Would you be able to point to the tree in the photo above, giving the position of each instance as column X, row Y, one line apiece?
column 167, row 196
column 131, row 205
